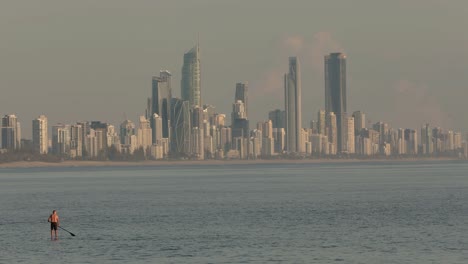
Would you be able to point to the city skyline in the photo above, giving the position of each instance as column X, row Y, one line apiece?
column 159, row 110
column 409, row 73
column 182, row 128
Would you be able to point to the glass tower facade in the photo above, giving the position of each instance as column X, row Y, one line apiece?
column 335, row 92
column 292, row 95
column 190, row 83
column 161, row 102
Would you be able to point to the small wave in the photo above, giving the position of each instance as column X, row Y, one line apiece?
column 170, row 248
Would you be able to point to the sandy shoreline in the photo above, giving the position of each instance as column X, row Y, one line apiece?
column 38, row 164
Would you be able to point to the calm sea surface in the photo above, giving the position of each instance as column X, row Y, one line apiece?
column 408, row 212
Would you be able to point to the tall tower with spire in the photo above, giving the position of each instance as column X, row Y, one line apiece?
column 190, row 83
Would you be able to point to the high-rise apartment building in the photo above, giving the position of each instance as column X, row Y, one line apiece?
column 335, row 92
column 161, row 101
column 225, row 138
column 85, row 130
column 40, row 135
column 411, row 139
column 350, row 138
column 292, row 94
column 127, row 129
column 76, row 141
column 332, row 133
column 191, row 77
column 11, row 132
column 100, row 132
column 144, row 134
column 279, row 136
column 321, row 122
column 359, row 121
column 61, row 139
column 157, row 128
column 426, row 140
column 197, row 147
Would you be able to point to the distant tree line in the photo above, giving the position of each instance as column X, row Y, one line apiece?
column 109, row 154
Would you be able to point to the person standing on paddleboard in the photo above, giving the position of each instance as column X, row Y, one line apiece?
column 54, row 224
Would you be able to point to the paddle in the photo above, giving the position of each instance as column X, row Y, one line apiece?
column 67, row 231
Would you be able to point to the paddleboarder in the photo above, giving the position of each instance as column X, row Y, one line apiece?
column 54, row 224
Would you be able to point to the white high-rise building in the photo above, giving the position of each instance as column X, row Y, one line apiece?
column 332, row 133
column 197, row 143
column 401, row 142
column 40, row 135
column 279, row 135
column 350, row 144
column 158, row 131
column 10, row 132
column 450, row 141
column 268, row 142
column 112, row 136
column 255, row 148
column 457, row 140
column 321, row 122
column 61, row 139
column 144, row 134
column 91, row 143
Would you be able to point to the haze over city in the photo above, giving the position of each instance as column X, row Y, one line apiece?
column 90, row 60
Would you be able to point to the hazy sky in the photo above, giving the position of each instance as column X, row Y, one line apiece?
column 94, row 59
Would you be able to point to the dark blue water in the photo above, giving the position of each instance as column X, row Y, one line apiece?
column 305, row 213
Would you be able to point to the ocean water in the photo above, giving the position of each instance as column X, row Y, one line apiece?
column 388, row 212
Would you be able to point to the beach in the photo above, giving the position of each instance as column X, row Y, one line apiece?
column 153, row 163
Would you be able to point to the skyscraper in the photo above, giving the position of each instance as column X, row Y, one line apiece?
column 332, row 132
column 76, row 141
column 335, row 92
column 190, row 84
column 350, row 140
column 359, row 121
column 157, row 128
column 144, row 134
column 240, row 124
column 241, row 95
column 277, row 117
column 180, row 127
column 239, row 120
column 161, row 102
column 127, row 129
column 321, row 123
column 11, row 132
column 40, row 135
column 292, row 96
column 61, row 139
column 426, row 140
